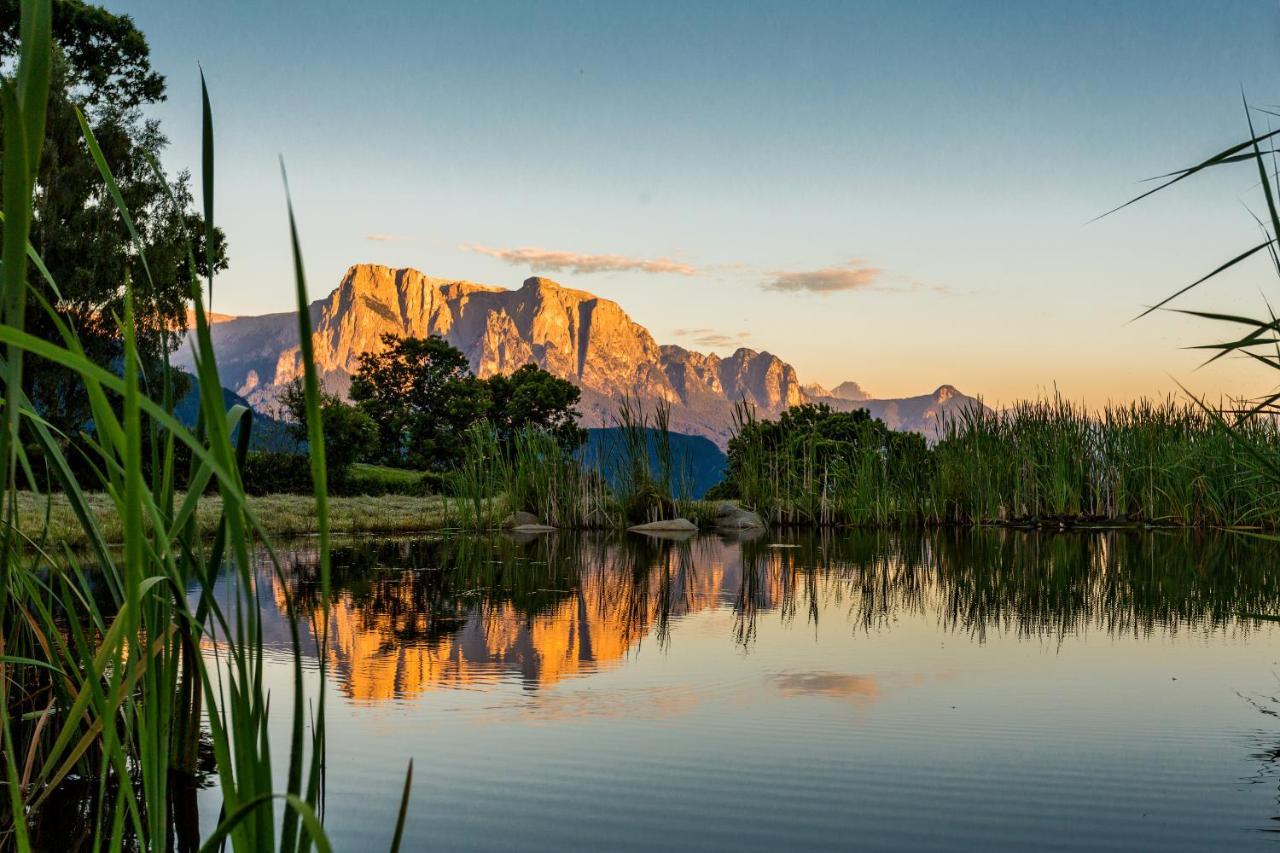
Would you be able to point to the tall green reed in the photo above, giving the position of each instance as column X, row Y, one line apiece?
column 109, row 666
column 1048, row 461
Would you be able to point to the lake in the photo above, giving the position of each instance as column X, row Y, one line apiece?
column 982, row 690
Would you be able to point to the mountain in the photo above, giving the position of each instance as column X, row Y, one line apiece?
column 267, row 433
column 571, row 333
column 697, row 462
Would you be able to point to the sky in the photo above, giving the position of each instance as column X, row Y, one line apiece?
column 895, row 193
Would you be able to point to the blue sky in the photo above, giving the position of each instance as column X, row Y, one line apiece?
column 894, row 193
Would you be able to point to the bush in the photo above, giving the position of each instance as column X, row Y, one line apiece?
column 267, row 473
column 375, row 480
column 270, row 473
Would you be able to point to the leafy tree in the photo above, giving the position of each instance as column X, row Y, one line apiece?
column 349, row 434
column 533, row 398
column 422, row 396
column 101, row 66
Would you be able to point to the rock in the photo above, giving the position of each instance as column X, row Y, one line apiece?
column 532, row 528
column 671, row 525
column 739, row 519
column 520, row 519
column 740, row 534
column 726, row 509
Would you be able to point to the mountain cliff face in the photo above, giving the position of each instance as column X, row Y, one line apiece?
column 573, row 334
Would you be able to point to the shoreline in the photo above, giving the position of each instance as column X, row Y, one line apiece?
column 288, row 516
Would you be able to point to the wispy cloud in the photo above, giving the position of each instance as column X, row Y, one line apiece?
column 382, row 238
column 852, row 276
column 549, row 260
column 856, row 274
column 858, row 689
column 712, row 338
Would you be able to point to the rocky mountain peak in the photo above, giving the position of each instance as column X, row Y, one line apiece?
column 849, row 391
column 573, row 334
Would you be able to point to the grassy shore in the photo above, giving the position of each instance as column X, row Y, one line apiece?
column 50, row 519
column 280, row 515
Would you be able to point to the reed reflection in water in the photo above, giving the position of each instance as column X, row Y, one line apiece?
column 977, row 690
column 413, row 615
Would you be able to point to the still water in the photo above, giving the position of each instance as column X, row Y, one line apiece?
column 985, row 690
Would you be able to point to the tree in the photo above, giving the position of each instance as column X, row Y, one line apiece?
column 533, row 398
column 422, row 396
column 349, row 434
column 101, row 66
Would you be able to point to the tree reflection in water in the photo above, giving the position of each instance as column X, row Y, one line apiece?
column 411, row 615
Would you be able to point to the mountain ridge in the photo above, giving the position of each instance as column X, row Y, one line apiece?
column 572, row 333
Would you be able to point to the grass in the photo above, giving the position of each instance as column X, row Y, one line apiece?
column 364, row 471
column 362, row 478
column 281, row 515
column 1047, row 462
column 1158, row 463
column 106, row 696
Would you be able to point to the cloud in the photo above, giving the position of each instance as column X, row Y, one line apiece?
column 548, row 260
column 851, row 276
column 858, row 689
column 382, row 238
column 712, row 338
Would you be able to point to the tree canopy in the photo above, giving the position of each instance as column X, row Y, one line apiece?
column 101, row 67
column 422, row 396
column 350, row 435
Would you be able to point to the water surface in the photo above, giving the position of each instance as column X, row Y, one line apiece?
column 981, row 690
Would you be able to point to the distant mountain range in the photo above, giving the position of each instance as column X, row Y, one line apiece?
column 697, row 463
column 573, row 334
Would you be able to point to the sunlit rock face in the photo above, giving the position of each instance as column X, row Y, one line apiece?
column 385, row 643
column 571, row 333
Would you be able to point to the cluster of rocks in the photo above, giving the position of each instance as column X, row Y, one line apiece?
column 729, row 518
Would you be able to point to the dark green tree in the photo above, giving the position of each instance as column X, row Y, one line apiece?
column 533, row 398
column 422, row 396
column 350, row 435
column 101, row 66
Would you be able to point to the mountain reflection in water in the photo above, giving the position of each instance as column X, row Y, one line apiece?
column 410, row 616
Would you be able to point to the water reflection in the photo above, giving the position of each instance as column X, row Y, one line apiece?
column 410, row 616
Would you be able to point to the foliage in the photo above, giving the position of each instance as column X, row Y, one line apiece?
column 118, row 664
column 378, row 480
column 531, row 398
column 421, row 394
column 422, row 397
column 1044, row 462
column 276, row 473
column 108, row 57
column 102, row 68
column 814, row 465
column 350, row 434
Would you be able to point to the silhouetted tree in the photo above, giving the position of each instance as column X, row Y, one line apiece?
column 422, row 396
column 101, row 66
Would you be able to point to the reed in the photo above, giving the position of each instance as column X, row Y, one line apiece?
column 476, row 485
column 1045, row 462
column 118, row 663
column 543, row 479
column 637, row 477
